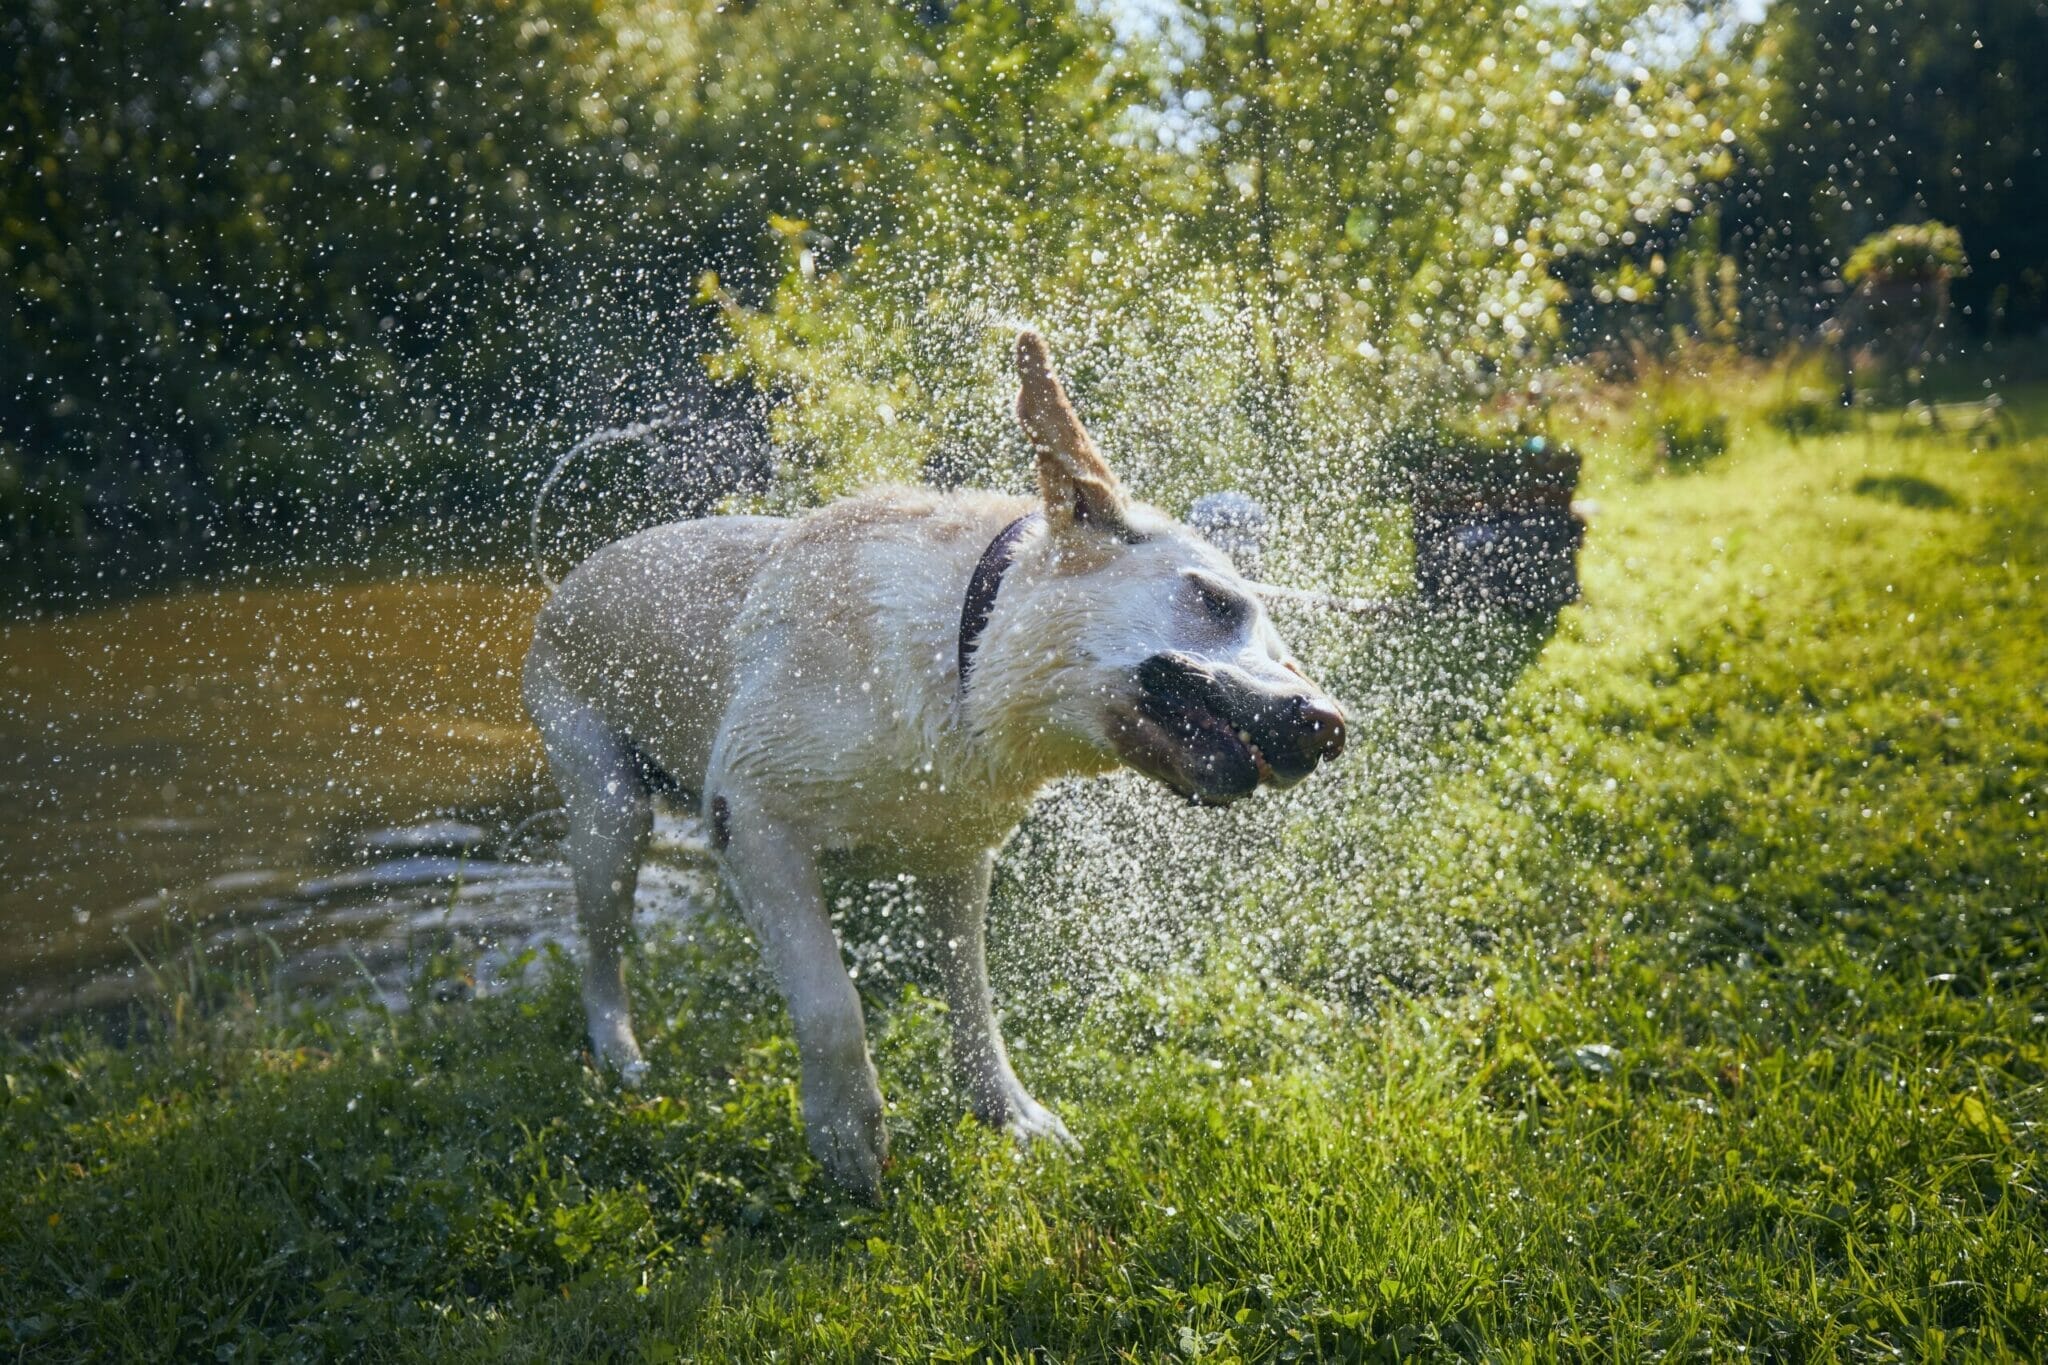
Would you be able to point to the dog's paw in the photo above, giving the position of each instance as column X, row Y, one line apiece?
column 618, row 1051
column 843, row 1120
column 851, row 1147
column 1031, row 1123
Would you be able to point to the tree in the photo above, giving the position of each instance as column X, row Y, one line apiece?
column 282, row 262
column 1306, row 221
column 1887, row 113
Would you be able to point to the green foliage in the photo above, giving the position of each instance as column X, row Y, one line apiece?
column 1423, row 183
column 1688, row 437
column 1807, row 396
column 1775, row 1083
column 1914, row 111
column 1308, row 223
column 271, row 257
column 312, row 264
column 1907, row 253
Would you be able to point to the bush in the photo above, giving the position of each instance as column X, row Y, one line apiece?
column 1907, row 253
column 1686, row 417
column 1691, row 438
column 265, row 256
column 1807, row 412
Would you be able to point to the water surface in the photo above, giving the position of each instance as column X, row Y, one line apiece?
column 324, row 769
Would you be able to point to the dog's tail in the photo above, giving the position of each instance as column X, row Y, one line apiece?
column 632, row 431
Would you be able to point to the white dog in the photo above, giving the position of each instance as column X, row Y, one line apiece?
column 890, row 680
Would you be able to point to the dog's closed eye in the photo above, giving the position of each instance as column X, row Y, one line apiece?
column 1217, row 600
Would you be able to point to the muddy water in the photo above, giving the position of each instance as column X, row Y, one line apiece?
column 323, row 773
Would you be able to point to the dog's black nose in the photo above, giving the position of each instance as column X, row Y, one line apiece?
column 1319, row 727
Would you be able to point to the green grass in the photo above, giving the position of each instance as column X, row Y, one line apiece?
column 1775, row 1080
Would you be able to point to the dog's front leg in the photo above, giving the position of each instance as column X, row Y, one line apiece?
column 957, row 903
column 774, row 874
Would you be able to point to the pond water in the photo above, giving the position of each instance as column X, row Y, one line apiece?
column 333, row 775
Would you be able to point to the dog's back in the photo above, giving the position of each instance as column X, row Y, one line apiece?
column 643, row 630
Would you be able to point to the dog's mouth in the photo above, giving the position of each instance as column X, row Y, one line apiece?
column 1189, row 748
column 1214, row 741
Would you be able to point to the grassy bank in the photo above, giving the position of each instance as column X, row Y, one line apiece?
column 1782, row 1085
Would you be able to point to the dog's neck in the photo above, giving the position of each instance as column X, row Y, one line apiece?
column 996, row 728
column 985, row 583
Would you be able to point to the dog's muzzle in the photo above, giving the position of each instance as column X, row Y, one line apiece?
column 1215, row 734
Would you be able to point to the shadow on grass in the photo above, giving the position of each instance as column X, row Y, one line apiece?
column 1905, row 489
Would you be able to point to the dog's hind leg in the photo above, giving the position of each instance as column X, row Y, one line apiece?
column 957, row 905
column 609, row 815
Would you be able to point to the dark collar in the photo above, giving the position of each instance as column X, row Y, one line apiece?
column 986, row 583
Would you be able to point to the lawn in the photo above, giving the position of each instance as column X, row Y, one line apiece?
column 1763, row 1066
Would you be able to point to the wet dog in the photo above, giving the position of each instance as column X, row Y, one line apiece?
column 891, row 680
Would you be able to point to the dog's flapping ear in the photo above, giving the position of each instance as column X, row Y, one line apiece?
column 1077, row 486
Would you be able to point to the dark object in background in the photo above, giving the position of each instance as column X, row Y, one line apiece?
column 1495, row 526
column 1234, row 523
